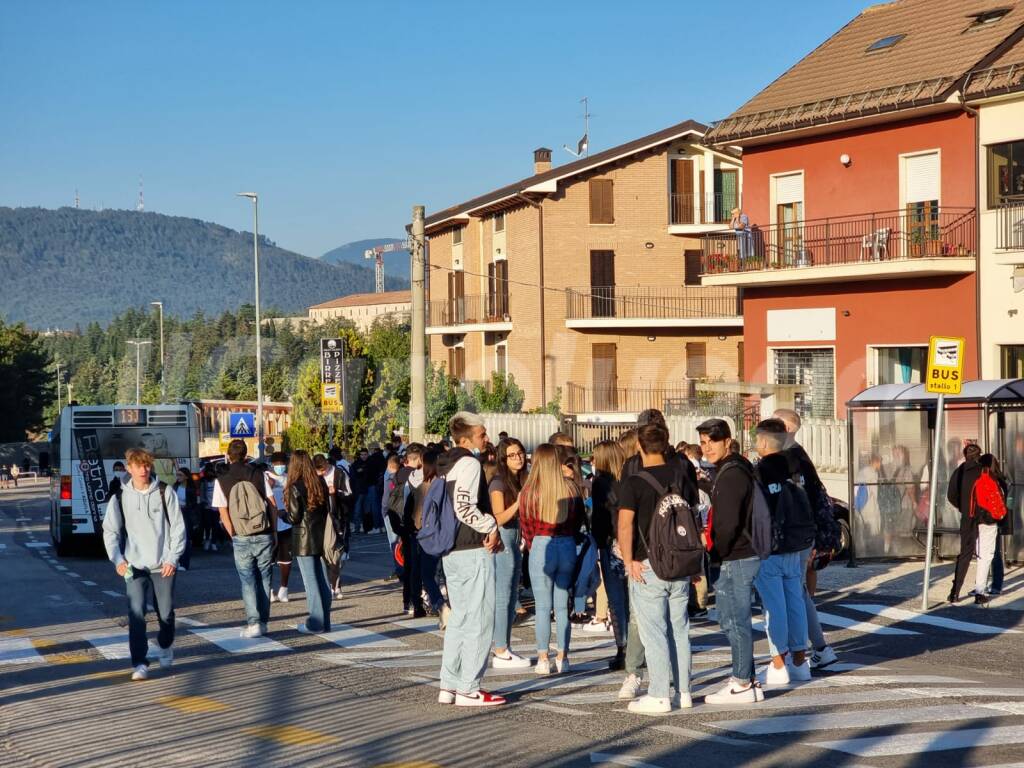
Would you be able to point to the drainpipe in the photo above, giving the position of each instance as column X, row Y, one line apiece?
column 543, row 327
column 977, row 218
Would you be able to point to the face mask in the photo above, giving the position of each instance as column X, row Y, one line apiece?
column 476, row 452
column 279, row 469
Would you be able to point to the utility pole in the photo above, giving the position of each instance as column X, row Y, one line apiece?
column 418, row 366
column 138, row 344
column 163, row 384
column 59, row 408
column 259, row 349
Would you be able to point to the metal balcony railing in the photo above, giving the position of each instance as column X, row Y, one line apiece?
column 872, row 237
column 463, row 310
column 652, row 303
column 613, row 398
column 686, row 209
column 1010, row 217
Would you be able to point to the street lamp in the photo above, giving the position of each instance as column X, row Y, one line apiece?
column 163, row 385
column 59, row 408
column 259, row 356
column 139, row 344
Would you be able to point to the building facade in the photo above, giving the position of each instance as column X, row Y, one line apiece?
column 582, row 281
column 363, row 309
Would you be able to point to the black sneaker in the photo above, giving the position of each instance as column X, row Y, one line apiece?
column 981, row 600
column 618, row 662
column 699, row 613
column 579, row 618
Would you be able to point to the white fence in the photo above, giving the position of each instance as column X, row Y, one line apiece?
column 531, row 429
column 825, row 442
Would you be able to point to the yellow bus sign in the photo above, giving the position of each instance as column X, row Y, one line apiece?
column 945, row 374
column 330, row 398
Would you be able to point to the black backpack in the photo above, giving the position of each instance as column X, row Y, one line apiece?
column 793, row 521
column 673, row 540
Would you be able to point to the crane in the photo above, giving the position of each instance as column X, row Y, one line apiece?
column 377, row 253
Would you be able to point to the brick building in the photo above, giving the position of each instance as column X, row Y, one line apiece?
column 582, row 281
column 364, row 308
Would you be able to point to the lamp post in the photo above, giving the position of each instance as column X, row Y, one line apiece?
column 138, row 344
column 59, row 408
column 259, row 352
column 163, row 385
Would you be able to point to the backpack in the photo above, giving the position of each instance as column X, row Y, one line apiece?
column 119, row 490
column 761, row 531
column 989, row 497
column 248, row 509
column 396, row 500
column 793, row 523
column 438, row 525
column 828, row 535
column 673, row 539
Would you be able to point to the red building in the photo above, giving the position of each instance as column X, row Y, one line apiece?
column 860, row 188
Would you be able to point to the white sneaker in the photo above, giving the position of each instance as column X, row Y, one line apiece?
column 773, row 675
column 824, row 657
column 650, row 705
column 630, row 687
column 682, row 701
column 800, row 672
column 410, row 611
column 734, row 693
column 213, row 547
column 282, row 595
column 304, row 630
column 251, row 631
column 273, row 596
column 445, row 696
column 543, row 666
column 182, row 568
column 140, row 673
column 562, row 665
column 443, row 615
column 206, row 546
column 337, row 594
column 597, row 627
column 478, row 699
column 166, row 657
column 509, row 660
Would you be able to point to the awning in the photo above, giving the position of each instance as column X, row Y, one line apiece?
column 898, row 396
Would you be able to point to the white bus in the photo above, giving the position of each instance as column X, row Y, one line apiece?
column 88, row 439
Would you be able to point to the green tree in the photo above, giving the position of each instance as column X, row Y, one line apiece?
column 26, row 387
column 502, row 396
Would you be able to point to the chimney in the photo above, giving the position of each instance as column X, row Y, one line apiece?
column 541, row 160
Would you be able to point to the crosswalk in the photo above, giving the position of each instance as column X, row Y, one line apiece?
column 858, row 707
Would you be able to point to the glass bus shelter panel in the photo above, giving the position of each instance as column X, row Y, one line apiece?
column 891, row 467
column 1007, row 434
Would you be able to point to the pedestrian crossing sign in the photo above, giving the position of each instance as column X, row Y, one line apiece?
column 945, row 374
column 242, row 424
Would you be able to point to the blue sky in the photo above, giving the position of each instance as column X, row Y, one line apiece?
column 342, row 115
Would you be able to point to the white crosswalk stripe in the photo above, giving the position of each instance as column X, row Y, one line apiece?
column 900, row 614
column 928, row 741
column 19, row 650
column 355, row 637
column 228, row 639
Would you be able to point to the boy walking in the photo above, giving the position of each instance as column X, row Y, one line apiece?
column 144, row 535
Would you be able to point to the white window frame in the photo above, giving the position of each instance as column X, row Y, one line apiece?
column 903, row 157
column 773, row 195
column 871, row 358
column 501, row 345
column 835, row 371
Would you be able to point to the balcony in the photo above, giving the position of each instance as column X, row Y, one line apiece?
column 928, row 242
column 693, row 306
column 1010, row 232
column 614, row 399
column 687, row 214
column 462, row 314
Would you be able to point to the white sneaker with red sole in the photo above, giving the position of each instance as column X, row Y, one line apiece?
column 478, row 699
column 444, row 696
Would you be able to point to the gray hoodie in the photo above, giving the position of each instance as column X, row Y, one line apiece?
column 151, row 543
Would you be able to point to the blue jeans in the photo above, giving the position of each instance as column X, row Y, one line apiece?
column 780, row 583
column 732, row 594
column 363, row 502
column 318, row 592
column 428, row 573
column 508, row 566
column 469, row 574
column 997, row 565
column 253, row 558
column 551, row 564
column 618, row 604
column 163, row 600
column 666, row 644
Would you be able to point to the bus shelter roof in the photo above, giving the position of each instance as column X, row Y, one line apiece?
column 902, row 396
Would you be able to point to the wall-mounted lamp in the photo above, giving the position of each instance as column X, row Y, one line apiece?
column 652, row 338
column 846, row 313
column 498, row 251
column 648, row 245
column 845, row 160
column 721, row 338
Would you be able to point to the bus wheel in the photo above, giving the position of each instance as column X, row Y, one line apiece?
column 62, row 548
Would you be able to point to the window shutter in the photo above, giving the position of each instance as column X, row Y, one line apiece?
column 595, row 201
column 922, row 178
column 602, row 210
column 609, row 202
column 789, row 189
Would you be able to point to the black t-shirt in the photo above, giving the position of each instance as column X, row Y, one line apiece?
column 637, row 494
column 498, row 484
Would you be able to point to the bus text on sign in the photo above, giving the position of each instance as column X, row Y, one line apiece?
column 945, row 374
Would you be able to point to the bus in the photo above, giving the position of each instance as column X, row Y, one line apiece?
column 86, row 441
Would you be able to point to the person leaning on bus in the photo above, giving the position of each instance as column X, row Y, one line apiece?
column 145, row 535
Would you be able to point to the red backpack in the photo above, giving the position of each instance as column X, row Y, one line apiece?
column 989, row 496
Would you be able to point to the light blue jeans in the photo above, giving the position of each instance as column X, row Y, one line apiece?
column 508, row 566
column 732, row 596
column 815, row 637
column 780, row 582
column 469, row 574
column 551, row 564
column 666, row 643
column 318, row 592
column 254, row 557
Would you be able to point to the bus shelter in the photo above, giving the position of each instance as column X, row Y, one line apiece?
column 891, row 438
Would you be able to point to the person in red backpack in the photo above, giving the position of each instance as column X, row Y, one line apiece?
column 959, row 494
column 988, row 508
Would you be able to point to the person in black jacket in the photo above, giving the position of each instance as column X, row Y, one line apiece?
column 306, row 499
column 729, row 534
column 961, row 488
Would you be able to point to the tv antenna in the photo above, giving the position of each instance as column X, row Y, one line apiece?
column 583, row 145
column 141, row 205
